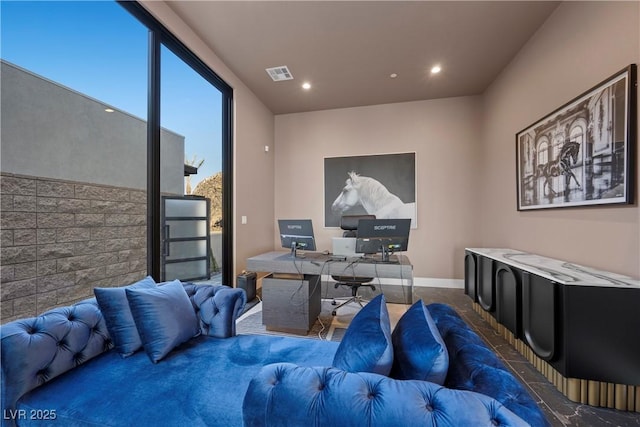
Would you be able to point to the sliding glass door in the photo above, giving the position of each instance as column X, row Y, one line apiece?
column 190, row 118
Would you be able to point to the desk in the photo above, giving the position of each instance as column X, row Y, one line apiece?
column 319, row 264
column 309, row 271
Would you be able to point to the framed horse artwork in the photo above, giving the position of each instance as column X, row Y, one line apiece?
column 583, row 152
column 383, row 185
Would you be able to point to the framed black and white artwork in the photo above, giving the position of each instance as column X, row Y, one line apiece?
column 383, row 185
column 583, row 152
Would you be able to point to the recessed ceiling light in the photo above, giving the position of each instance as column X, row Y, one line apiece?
column 393, row 75
column 306, row 85
column 109, row 110
column 436, row 69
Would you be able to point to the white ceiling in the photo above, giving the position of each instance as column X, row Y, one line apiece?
column 348, row 49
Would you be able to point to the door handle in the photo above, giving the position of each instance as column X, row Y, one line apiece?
column 167, row 245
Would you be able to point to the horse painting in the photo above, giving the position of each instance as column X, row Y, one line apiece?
column 374, row 198
column 561, row 166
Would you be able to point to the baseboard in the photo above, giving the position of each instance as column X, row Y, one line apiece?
column 429, row 282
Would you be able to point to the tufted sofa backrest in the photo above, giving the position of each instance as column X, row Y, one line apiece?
column 287, row 394
column 38, row 349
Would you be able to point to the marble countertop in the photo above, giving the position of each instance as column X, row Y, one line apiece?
column 562, row 272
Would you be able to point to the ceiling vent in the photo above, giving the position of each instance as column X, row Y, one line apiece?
column 280, row 73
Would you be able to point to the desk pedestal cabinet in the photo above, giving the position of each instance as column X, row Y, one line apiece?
column 290, row 302
column 578, row 326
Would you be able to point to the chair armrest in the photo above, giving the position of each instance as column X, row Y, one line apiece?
column 284, row 394
column 218, row 307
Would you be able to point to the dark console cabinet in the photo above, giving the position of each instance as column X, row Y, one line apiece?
column 579, row 326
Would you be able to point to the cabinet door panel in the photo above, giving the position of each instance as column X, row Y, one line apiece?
column 508, row 298
column 539, row 314
column 470, row 274
column 486, row 285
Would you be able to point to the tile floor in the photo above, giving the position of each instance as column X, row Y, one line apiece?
column 559, row 410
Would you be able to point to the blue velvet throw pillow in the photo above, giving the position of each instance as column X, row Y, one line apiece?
column 418, row 349
column 366, row 346
column 164, row 316
column 117, row 315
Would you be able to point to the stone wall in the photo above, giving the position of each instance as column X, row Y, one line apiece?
column 60, row 239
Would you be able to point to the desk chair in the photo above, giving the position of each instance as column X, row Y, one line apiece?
column 349, row 223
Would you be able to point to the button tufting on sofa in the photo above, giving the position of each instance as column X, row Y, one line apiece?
column 214, row 306
column 42, row 375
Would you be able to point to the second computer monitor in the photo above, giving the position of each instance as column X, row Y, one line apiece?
column 383, row 236
column 297, row 234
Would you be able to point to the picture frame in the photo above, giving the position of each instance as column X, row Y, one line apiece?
column 583, row 153
column 380, row 184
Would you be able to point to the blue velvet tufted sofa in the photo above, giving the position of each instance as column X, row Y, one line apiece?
column 60, row 369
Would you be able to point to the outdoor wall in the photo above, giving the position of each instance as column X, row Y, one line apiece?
column 73, row 191
column 49, row 130
column 60, row 239
column 444, row 135
column 253, row 129
column 580, row 45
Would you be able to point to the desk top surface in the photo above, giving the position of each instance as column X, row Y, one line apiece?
column 562, row 272
column 320, row 263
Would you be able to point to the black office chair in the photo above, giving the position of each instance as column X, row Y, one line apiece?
column 349, row 223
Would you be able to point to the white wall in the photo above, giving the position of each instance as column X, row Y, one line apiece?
column 580, row 45
column 444, row 135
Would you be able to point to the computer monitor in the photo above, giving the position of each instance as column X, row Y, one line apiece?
column 297, row 234
column 383, row 236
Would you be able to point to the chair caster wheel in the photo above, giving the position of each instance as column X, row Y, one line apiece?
column 334, row 302
column 333, row 313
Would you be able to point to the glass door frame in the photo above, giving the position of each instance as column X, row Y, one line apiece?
column 158, row 36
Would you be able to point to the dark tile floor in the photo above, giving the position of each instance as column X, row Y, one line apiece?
column 559, row 410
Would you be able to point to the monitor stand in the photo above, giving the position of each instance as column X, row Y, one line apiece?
column 386, row 257
column 294, row 251
column 384, row 254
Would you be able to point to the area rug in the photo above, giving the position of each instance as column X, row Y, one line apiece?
column 326, row 327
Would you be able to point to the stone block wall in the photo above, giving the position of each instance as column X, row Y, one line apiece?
column 60, row 239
